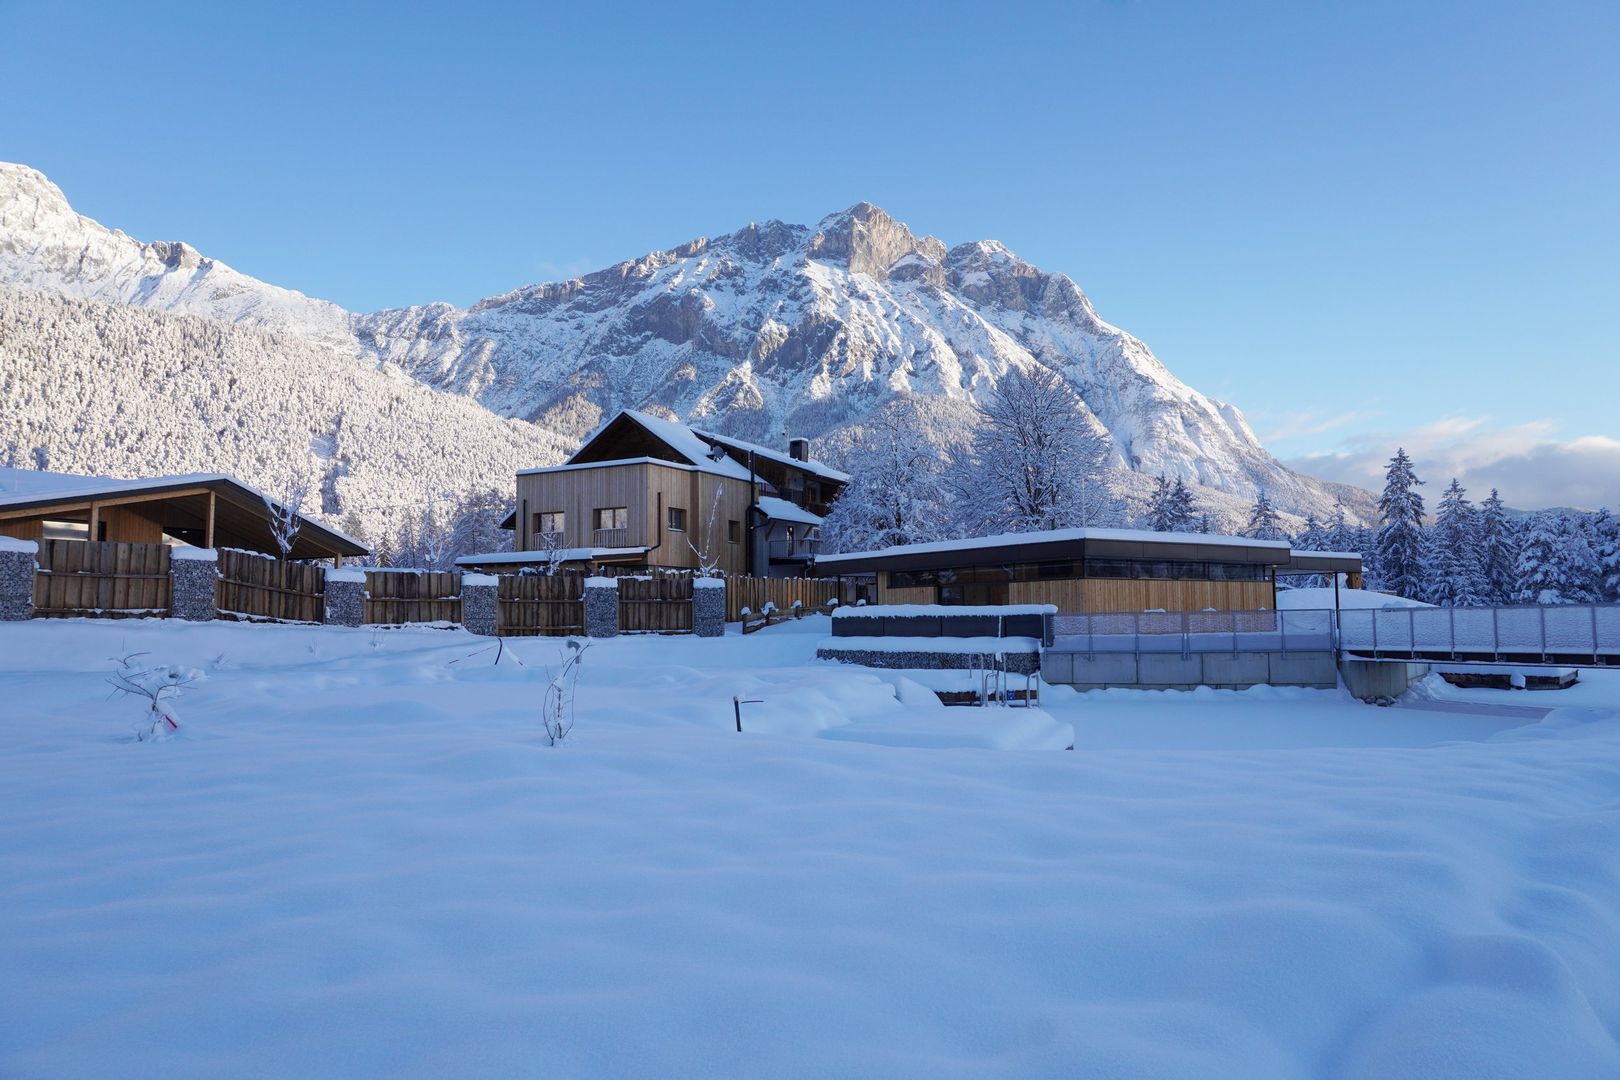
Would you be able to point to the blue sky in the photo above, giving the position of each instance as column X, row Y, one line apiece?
column 1362, row 223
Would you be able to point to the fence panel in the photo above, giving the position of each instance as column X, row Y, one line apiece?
column 655, row 605
column 537, row 605
column 100, row 579
column 254, row 586
column 412, row 596
column 754, row 593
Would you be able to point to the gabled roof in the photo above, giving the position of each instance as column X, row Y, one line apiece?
column 825, row 471
column 695, row 448
column 33, row 489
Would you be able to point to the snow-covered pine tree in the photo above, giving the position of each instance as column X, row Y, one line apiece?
column 1400, row 541
column 1161, row 513
column 1313, row 537
column 1577, row 562
column 895, row 496
column 1455, row 577
column 1184, row 512
column 1498, row 550
column 1609, row 562
column 1264, row 524
column 1037, row 461
column 1552, row 564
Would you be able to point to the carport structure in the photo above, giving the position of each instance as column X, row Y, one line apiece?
column 210, row 510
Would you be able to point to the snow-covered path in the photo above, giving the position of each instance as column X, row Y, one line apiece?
column 359, row 859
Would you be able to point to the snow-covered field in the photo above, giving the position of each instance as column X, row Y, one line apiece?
column 359, row 858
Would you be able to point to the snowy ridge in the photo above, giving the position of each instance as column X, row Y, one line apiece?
column 771, row 331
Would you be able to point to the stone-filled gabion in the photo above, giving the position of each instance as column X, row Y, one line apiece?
column 1020, row 663
column 601, row 607
column 709, row 607
column 479, row 603
column 17, row 579
column 345, row 597
column 193, row 584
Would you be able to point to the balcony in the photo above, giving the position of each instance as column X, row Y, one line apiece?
column 610, row 538
column 803, row 548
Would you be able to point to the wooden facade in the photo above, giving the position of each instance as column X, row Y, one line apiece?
column 1084, row 570
column 649, row 493
column 205, row 510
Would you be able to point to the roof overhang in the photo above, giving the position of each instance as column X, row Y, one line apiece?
column 1178, row 549
column 240, row 511
column 1322, row 562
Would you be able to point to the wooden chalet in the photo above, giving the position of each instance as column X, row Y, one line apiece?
column 199, row 509
column 1086, row 570
column 645, row 492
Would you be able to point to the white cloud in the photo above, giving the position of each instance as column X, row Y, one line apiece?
column 1312, row 423
column 1525, row 462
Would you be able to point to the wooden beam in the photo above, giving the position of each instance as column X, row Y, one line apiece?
column 95, row 520
column 208, row 529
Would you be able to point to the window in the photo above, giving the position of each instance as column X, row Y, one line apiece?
column 1237, row 572
column 612, row 517
column 734, row 531
column 677, row 519
column 549, row 523
column 1108, row 568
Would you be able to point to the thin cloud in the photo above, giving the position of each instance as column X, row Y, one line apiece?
column 1523, row 461
column 1313, row 423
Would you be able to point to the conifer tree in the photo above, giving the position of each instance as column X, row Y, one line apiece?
column 1498, row 550
column 1160, row 509
column 1184, row 508
column 1608, row 555
column 1455, row 577
column 1400, row 541
column 1264, row 524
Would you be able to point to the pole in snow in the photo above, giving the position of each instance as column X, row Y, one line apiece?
column 737, row 704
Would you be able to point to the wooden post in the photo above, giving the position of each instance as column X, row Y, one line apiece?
column 208, row 529
column 95, row 522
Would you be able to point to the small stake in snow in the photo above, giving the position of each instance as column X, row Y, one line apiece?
column 736, row 706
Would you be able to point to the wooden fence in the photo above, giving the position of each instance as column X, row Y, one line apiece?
column 534, row 605
column 754, row 593
column 655, row 605
column 101, row 579
column 412, row 596
column 254, row 586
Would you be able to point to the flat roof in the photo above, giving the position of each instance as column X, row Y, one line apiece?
column 33, row 489
column 1322, row 562
column 1061, row 544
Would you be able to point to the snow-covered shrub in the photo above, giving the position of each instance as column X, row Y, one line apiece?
column 557, row 707
column 158, row 686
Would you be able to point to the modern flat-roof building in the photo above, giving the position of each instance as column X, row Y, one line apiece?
column 197, row 509
column 646, row 492
column 1095, row 570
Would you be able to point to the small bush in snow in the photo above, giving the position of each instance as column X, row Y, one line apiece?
column 557, row 707
column 158, row 686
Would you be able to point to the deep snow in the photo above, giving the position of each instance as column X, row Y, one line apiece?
column 360, row 859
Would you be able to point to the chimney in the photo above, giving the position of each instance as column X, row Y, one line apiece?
column 799, row 449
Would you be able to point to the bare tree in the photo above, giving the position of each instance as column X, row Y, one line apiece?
column 1038, row 461
column 286, row 516
column 708, row 555
column 557, row 706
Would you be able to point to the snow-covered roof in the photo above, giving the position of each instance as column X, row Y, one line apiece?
column 685, row 442
column 782, row 510
column 713, row 468
column 1057, row 536
column 35, row 485
column 775, row 455
column 26, row 487
column 561, row 554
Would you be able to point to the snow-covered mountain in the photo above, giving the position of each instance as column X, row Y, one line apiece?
column 770, row 331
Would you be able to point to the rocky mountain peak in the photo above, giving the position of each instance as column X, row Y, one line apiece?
column 869, row 241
